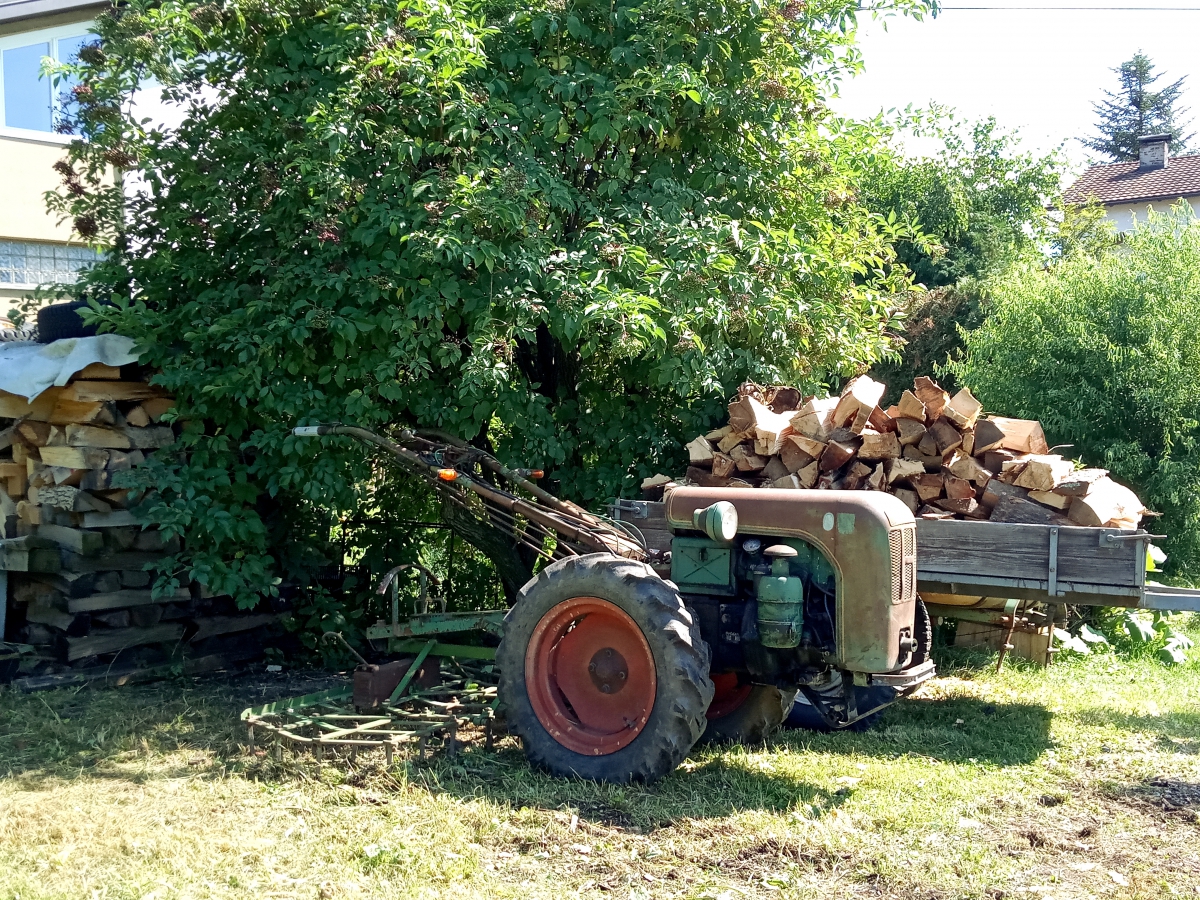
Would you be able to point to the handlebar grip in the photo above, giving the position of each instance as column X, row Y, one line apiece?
column 310, row 430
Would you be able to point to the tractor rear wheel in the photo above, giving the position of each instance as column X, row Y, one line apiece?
column 603, row 673
column 744, row 713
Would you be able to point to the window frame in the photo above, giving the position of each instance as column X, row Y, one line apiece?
column 51, row 35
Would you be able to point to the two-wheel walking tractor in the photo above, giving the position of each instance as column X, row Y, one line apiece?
column 614, row 661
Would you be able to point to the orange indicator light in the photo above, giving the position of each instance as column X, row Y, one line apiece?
column 447, row 475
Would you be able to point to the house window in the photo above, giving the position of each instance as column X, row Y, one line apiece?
column 29, row 100
column 26, row 264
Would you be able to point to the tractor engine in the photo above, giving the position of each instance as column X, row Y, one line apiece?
column 774, row 618
column 789, row 585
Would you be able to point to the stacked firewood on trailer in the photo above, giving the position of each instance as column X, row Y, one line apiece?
column 936, row 453
column 78, row 561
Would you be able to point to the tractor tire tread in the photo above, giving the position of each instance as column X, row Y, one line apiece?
column 681, row 655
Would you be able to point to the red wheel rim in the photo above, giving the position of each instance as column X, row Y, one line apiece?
column 590, row 676
column 729, row 695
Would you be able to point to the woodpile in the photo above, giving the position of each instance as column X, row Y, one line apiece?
column 936, row 453
column 76, row 559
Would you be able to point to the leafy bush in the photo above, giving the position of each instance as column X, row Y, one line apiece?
column 1105, row 351
column 565, row 233
column 980, row 203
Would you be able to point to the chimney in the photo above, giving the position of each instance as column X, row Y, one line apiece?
column 1154, row 151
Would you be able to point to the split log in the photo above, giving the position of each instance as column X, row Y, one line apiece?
column 158, row 407
column 790, row 482
column 861, row 395
column 1054, row 500
column 713, row 436
column 876, row 446
column 782, row 399
column 705, row 478
column 731, row 440
column 87, row 543
column 962, row 507
column 809, row 474
column 91, row 391
column 1044, row 472
column 1025, row 512
column 996, row 490
column 877, row 480
column 797, row 455
column 881, row 421
column 945, row 436
column 993, row 460
column 902, row 469
column 908, row 498
column 968, row 442
column 1106, row 503
column 700, row 452
column 911, row 408
column 855, row 478
column 836, row 455
column 137, row 417
column 745, row 460
column 722, row 465
column 932, row 512
column 963, row 409
column 75, row 457
column 1078, row 484
column 775, row 469
column 121, row 639
column 931, row 463
column 67, row 411
column 815, row 418
column 98, row 371
column 930, row 393
column 928, row 486
column 967, row 467
column 1018, row 435
column 958, row 488
column 910, row 431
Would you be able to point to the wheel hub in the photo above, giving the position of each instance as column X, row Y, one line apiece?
column 609, row 671
column 590, row 676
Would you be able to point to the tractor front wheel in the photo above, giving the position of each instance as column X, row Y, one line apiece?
column 603, row 673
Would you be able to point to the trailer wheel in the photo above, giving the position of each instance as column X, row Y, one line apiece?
column 603, row 673
column 744, row 713
column 804, row 716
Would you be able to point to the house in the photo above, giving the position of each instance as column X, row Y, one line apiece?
column 34, row 247
column 1126, row 190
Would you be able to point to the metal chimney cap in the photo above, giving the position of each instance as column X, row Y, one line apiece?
column 1155, row 139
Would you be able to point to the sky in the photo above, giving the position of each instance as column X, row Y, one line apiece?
column 1037, row 70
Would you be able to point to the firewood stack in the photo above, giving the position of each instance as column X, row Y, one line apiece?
column 932, row 451
column 76, row 558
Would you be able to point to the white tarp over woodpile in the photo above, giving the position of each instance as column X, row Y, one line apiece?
column 27, row 369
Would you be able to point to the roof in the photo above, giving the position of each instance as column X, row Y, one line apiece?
column 1127, row 183
column 15, row 10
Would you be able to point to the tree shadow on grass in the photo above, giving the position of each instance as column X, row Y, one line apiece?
column 709, row 784
column 65, row 732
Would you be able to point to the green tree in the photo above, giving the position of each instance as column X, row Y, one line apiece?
column 566, row 236
column 981, row 204
column 1134, row 110
column 1104, row 350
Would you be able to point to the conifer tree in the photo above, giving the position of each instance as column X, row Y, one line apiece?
column 1135, row 110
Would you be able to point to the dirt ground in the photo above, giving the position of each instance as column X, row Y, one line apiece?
column 1080, row 781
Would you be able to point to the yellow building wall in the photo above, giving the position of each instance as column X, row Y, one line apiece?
column 27, row 165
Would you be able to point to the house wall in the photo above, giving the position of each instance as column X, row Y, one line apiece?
column 32, row 240
column 1122, row 215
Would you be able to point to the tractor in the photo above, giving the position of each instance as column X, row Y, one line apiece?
column 616, row 659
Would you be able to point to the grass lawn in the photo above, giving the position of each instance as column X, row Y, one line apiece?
column 1080, row 781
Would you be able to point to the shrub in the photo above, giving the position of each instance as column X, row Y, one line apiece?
column 1105, row 351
